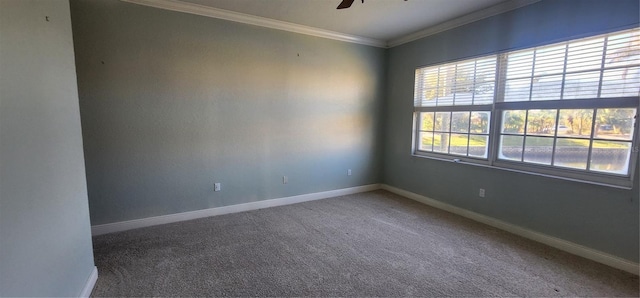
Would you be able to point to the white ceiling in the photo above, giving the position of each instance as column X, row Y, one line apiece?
column 374, row 22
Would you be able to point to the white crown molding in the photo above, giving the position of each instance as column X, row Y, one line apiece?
column 197, row 9
column 180, row 6
column 561, row 244
column 463, row 20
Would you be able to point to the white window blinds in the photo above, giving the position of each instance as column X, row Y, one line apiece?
column 601, row 67
column 468, row 82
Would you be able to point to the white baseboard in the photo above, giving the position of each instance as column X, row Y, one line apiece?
column 91, row 282
column 170, row 218
column 558, row 243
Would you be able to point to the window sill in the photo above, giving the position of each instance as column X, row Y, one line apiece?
column 628, row 184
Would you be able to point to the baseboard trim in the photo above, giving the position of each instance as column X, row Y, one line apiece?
column 91, row 282
column 176, row 217
column 567, row 246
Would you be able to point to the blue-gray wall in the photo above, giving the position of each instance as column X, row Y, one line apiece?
column 172, row 103
column 45, row 237
column 598, row 217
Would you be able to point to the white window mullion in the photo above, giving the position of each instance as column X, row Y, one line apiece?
column 475, row 77
column 555, row 139
column 602, row 61
column 564, row 70
column 496, row 117
column 593, row 131
column 454, row 84
column 533, row 68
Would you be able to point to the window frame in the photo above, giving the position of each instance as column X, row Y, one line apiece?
column 452, row 109
column 499, row 105
column 479, row 67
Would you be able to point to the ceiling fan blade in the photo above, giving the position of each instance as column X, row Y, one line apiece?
column 345, row 4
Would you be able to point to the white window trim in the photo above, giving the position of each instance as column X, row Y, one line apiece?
column 496, row 109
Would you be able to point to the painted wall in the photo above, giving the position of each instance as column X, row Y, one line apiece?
column 602, row 218
column 172, row 103
column 45, row 237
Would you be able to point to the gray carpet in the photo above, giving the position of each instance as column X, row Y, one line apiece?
column 368, row 244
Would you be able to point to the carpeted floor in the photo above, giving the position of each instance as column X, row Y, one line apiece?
column 368, row 244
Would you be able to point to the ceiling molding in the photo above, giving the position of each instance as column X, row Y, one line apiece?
column 463, row 20
column 180, row 6
column 192, row 8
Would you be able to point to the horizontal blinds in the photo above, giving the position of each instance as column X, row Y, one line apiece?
column 467, row 82
column 605, row 66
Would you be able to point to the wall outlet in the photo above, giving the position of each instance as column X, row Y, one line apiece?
column 481, row 193
column 285, row 179
column 216, row 186
column 349, row 172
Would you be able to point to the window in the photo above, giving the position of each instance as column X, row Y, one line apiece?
column 453, row 102
column 566, row 109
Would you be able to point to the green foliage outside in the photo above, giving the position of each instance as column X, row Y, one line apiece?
column 614, row 124
column 458, row 140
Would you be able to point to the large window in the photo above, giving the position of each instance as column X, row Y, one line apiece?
column 453, row 102
column 566, row 109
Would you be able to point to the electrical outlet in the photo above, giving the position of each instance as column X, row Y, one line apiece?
column 481, row 193
column 216, row 186
column 285, row 179
column 349, row 172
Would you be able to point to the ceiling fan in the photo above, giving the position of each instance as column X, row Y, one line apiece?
column 347, row 3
